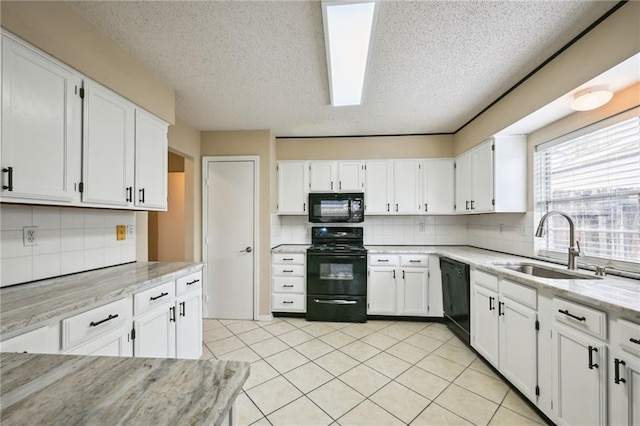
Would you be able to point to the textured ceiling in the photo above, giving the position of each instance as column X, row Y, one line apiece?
column 261, row 65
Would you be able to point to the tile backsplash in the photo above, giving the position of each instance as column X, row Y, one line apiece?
column 68, row 240
column 380, row 230
column 504, row 232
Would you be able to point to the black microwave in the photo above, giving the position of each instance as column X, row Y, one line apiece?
column 328, row 207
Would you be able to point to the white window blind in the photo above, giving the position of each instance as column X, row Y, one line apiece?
column 593, row 176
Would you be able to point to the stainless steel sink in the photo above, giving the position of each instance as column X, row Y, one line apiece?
column 545, row 272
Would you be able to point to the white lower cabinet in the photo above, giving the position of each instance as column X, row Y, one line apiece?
column 113, row 343
column 155, row 333
column 288, row 282
column 42, row 340
column 189, row 325
column 504, row 321
column 400, row 287
column 624, row 373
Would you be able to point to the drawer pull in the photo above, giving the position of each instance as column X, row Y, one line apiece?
column 163, row 294
column 569, row 314
column 288, row 302
column 287, row 258
column 193, row 282
column 287, row 270
column 617, row 379
column 636, row 341
column 383, row 260
column 109, row 318
column 415, row 261
column 287, row 285
column 591, row 363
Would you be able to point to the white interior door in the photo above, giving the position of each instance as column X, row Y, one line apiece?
column 230, row 238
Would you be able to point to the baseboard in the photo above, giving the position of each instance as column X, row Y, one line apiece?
column 265, row 318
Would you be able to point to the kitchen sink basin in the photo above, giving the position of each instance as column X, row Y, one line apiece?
column 545, row 272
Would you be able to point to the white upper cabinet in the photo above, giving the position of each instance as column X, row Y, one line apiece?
column 378, row 182
column 350, row 176
column 322, row 176
column 438, row 186
column 293, row 187
column 41, row 127
column 151, row 162
column 108, row 147
column 407, row 188
column 492, row 177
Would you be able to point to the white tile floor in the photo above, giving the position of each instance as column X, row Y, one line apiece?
column 377, row 373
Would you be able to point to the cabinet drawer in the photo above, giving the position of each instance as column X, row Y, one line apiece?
column 414, row 260
column 288, row 284
column 629, row 336
column 485, row 280
column 522, row 294
column 288, row 302
column 581, row 317
column 153, row 297
column 288, row 270
column 188, row 283
column 289, row 258
column 383, row 260
column 92, row 323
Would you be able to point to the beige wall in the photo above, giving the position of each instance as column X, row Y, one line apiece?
column 260, row 143
column 349, row 148
column 55, row 28
column 184, row 140
column 171, row 232
column 613, row 41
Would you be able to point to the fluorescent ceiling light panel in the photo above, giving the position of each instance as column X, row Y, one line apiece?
column 348, row 28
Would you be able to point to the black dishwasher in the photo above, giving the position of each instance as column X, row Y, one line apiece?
column 455, row 296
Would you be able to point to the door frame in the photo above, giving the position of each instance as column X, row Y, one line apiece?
column 256, row 224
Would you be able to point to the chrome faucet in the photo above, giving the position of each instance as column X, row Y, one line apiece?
column 574, row 251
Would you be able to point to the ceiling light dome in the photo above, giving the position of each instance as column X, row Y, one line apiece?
column 591, row 98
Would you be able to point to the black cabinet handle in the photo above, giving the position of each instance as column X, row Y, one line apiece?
column 636, row 341
column 287, row 285
column 141, row 196
column 183, row 309
column 491, row 306
column 332, row 185
column 396, row 206
column 591, row 363
column 109, row 318
column 287, row 302
column 193, row 282
column 287, row 270
column 9, row 171
column 383, row 260
column 617, row 379
column 425, row 207
column 472, row 206
column 172, row 314
column 287, row 258
column 304, row 207
column 394, row 274
column 387, row 206
column 158, row 297
column 340, row 185
column 403, row 274
column 414, row 261
column 129, row 194
column 500, row 310
column 569, row 314
column 467, row 205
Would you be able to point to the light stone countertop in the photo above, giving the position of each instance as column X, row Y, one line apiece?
column 618, row 294
column 88, row 390
column 27, row 304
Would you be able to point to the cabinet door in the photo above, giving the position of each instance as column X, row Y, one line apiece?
column 382, row 291
column 322, row 176
column 407, row 197
column 350, row 177
column 189, row 326
column 108, row 156
column 378, row 178
column 484, row 321
column 292, row 187
column 579, row 386
column 151, row 162
column 114, row 343
column 482, row 177
column 438, row 186
column 41, row 127
column 519, row 347
column 625, row 391
column 43, row 340
column 156, row 333
column 414, row 292
column 463, row 183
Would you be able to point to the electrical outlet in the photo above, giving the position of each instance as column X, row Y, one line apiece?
column 421, row 227
column 501, row 226
column 30, row 236
column 131, row 232
column 306, row 227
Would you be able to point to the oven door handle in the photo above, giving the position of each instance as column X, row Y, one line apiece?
column 336, row 302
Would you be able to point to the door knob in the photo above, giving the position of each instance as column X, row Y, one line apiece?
column 247, row 250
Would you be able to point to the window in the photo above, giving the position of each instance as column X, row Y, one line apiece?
column 594, row 176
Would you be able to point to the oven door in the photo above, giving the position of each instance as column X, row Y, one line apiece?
column 336, row 274
column 337, row 308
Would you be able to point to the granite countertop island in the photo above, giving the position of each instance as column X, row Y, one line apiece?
column 87, row 390
column 26, row 304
